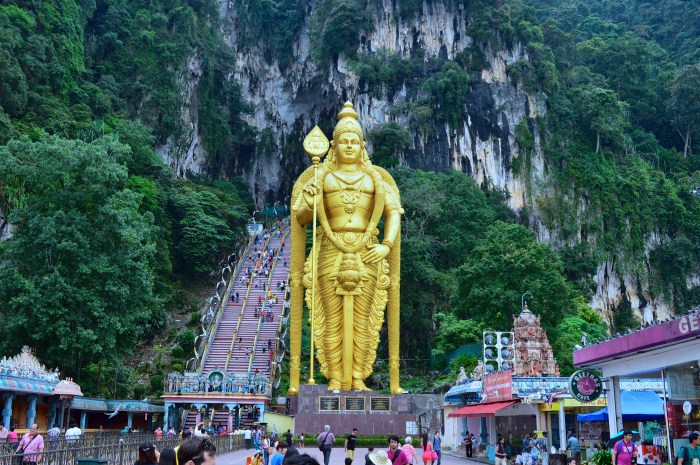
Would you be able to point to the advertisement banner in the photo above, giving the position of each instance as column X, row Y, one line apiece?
column 498, row 387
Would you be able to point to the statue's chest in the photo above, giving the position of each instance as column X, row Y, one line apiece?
column 348, row 192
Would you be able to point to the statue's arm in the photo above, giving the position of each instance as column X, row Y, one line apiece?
column 305, row 203
column 392, row 216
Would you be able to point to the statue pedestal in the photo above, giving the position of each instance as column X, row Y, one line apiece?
column 370, row 412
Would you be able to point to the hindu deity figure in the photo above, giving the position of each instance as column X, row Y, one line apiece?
column 357, row 269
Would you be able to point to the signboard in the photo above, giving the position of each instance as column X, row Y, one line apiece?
column 380, row 404
column 355, row 404
column 585, row 386
column 329, row 404
column 497, row 387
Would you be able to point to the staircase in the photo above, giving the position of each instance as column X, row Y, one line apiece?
column 247, row 330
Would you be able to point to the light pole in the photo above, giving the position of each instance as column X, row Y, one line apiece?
column 274, row 207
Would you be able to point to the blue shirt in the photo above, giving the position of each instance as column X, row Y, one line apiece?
column 436, row 443
column 277, row 459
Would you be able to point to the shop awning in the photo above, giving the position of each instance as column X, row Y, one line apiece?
column 482, row 410
column 636, row 406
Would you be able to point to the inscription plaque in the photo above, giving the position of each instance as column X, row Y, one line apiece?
column 329, row 404
column 380, row 404
column 355, row 404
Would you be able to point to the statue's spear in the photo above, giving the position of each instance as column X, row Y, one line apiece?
column 316, row 146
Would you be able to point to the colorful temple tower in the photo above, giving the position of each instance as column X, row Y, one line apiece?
column 533, row 354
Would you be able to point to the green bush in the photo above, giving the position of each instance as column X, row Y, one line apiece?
column 602, row 457
column 178, row 352
column 177, row 367
column 139, row 391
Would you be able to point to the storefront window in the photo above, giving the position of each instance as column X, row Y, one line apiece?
column 683, row 408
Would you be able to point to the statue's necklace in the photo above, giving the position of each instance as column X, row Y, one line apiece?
column 349, row 194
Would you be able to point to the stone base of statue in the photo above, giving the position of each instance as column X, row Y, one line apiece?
column 370, row 412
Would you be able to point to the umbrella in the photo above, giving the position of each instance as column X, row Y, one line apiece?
column 618, row 437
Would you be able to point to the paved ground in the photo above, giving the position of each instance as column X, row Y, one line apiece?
column 338, row 457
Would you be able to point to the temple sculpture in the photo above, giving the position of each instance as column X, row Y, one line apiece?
column 533, row 354
column 352, row 272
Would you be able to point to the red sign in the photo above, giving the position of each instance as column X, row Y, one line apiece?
column 497, row 387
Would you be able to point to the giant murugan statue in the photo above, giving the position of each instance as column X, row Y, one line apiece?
column 351, row 274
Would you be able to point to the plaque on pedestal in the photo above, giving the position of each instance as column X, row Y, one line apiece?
column 329, row 404
column 380, row 404
column 355, row 404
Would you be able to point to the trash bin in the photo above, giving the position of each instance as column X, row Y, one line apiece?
column 90, row 461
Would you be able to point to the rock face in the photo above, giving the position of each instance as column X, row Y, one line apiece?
column 287, row 103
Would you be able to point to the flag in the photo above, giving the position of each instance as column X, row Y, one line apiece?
column 552, row 397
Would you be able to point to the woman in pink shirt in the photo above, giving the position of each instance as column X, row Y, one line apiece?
column 409, row 451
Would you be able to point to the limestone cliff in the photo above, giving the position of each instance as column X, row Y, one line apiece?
column 287, row 103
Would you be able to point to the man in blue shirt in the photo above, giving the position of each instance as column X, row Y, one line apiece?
column 436, row 446
column 573, row 445
column 279, row 455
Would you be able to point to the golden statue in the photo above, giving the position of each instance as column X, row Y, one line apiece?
column 352, row 275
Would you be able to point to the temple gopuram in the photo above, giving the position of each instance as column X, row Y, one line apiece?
column 533, row 354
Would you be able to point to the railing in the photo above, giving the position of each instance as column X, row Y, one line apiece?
column 118, row 452
column 262, row 310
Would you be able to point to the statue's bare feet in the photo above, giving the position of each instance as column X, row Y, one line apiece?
column 333, row 384
column 359, row 385
column 397, row 390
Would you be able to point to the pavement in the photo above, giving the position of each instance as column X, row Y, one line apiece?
column 338, row 457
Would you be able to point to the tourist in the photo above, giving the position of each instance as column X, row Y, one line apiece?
column 624, row 452
column 301, row 441
column 167, row 456
column 73, row 434
column 281, row 450
column 12, row 438
column 257, row 439
column 370, row 449
column 159, row 433
column 543, row 447
column 350, row 441
column 428, row 453
column 148, row 454
column 3, row 437
column 288, row 436
column 573, row 446
column 395, row 453
column 246, row 436
column 689, row 453
column 171, row 433
column 409, row 451
column 437, row 446
column 54, row 433
column 266, row 449
column 299, row 459
column 325, row 442
column 196, row 451
column 501, row 456
column 31, row 446
column 534, row 449
column 468, row 444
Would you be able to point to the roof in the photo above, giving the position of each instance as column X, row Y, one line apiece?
column 23, row 385
column 482, row 410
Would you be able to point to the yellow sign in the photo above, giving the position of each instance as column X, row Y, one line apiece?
column 571, row 403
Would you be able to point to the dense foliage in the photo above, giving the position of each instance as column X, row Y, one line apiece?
column 104, row 234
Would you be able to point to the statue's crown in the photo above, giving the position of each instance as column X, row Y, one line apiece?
column 348, row 122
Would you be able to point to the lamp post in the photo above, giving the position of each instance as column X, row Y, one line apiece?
column 274, row 207
column 66, row 390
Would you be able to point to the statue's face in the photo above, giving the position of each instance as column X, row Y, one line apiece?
column 348, row 148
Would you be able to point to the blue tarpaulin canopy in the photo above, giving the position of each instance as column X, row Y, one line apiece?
column 636, row 406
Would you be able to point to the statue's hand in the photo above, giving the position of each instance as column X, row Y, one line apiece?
column 310, row 191
column 376, row 253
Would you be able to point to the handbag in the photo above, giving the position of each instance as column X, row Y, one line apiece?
column 433, row 454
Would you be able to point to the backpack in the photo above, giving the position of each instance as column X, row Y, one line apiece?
column 682, row 454
column 322, row 445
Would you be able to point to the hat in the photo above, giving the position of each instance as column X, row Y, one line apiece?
column 379, row 457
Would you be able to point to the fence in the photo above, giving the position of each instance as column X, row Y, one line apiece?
column 117, row 452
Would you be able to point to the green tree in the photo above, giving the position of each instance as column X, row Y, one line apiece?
column 388, row 141
column 448, row 89
column 568, row 333
column 77, row 275
column 684, row 104
column 505, row 264
column 602, row 112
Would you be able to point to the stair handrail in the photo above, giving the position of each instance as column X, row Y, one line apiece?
column 214, row 326
column 240, row 314
column 262, row 310
column 275, row 369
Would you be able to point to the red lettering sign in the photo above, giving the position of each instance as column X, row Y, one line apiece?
column 498, row 387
